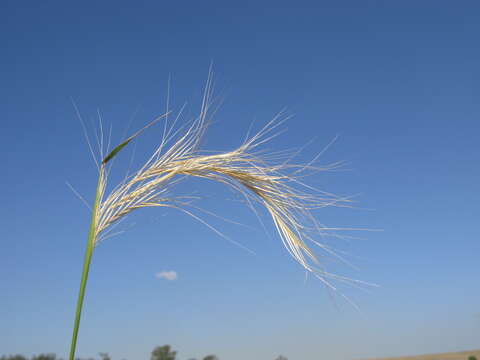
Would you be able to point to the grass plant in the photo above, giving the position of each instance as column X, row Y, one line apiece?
column 277, row 186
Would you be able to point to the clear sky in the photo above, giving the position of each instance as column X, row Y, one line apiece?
column 397, row 81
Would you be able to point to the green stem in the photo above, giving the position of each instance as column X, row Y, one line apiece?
column 86, row 263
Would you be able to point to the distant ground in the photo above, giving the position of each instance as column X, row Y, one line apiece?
column 461, row 355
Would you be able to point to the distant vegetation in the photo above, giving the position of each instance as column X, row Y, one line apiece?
column 164, row 352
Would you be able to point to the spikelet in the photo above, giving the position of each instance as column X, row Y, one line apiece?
column 274, row 186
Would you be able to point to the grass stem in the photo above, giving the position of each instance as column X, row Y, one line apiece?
column 86, row 263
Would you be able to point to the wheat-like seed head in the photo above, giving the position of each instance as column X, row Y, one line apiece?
column 275, row 186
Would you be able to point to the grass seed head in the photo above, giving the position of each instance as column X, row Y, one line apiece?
column 275, row 186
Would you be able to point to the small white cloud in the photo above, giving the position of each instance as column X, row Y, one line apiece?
column 167, row 275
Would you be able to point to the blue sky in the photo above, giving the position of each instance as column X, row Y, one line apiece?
column 396, row 81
